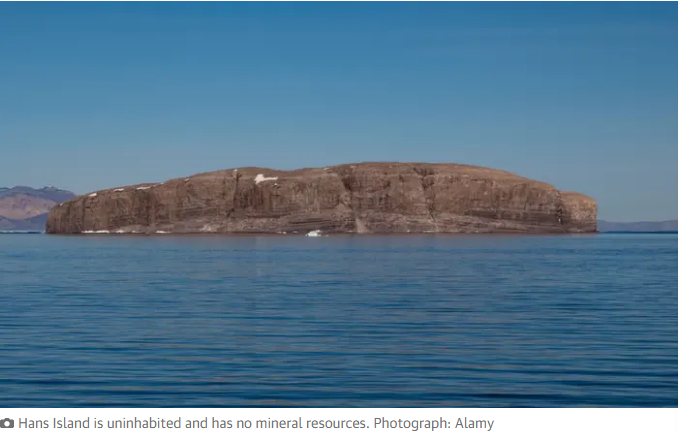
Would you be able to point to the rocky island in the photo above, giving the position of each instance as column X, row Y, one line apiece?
column 351, row 198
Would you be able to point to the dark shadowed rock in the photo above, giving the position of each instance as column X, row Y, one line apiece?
column 358, row 198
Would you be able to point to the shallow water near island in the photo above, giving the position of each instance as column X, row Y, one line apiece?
column 363, row 321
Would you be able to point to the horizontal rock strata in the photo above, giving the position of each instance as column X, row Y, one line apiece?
column 359, row 198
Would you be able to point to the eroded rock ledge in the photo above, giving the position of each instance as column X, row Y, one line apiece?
column 358, row 198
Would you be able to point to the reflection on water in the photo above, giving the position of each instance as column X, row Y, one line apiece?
column 339, row 321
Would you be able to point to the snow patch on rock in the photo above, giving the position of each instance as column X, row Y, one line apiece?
column 261, row 178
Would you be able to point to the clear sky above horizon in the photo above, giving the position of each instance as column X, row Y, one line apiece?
column 581, row 95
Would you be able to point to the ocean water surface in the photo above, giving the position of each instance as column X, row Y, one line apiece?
column 359, row 321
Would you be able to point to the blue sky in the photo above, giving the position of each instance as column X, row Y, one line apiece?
column 580, row 95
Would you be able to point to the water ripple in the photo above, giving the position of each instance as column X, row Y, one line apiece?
column 341, row 321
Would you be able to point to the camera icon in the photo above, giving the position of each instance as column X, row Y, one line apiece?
column 6, row 423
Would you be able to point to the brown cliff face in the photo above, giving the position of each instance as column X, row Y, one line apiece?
column 359, row 198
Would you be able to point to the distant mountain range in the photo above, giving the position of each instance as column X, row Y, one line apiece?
column 665, row 226
column 25, row 208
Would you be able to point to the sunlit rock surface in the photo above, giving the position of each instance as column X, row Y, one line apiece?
column 357, row 198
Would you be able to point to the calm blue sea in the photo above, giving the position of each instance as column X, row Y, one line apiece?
column 366, row 321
